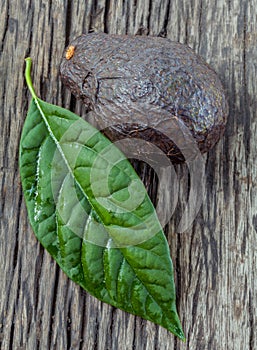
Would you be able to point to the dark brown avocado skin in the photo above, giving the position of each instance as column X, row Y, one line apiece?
column 133, row 83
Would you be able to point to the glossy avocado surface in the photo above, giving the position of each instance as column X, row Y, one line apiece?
column 138, row 86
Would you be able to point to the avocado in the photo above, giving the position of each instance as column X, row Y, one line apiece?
column 137, row 86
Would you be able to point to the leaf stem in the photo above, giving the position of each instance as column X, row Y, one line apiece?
column 28, row 77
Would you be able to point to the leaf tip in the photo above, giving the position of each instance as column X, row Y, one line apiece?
column 183, row 338
column 180, row 334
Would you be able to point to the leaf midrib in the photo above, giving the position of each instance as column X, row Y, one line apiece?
column 37, row 102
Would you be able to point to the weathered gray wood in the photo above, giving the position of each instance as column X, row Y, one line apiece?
column 215, row 260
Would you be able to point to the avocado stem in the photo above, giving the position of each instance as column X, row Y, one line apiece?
column 28, row 77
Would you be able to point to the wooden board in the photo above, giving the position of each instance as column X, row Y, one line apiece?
column 215, row 259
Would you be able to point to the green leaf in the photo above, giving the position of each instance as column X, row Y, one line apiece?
column 89, row 209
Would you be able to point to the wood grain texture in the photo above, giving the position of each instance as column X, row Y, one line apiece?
column 215, row 259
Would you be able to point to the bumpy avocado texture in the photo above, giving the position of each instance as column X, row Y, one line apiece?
column 139, row 86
